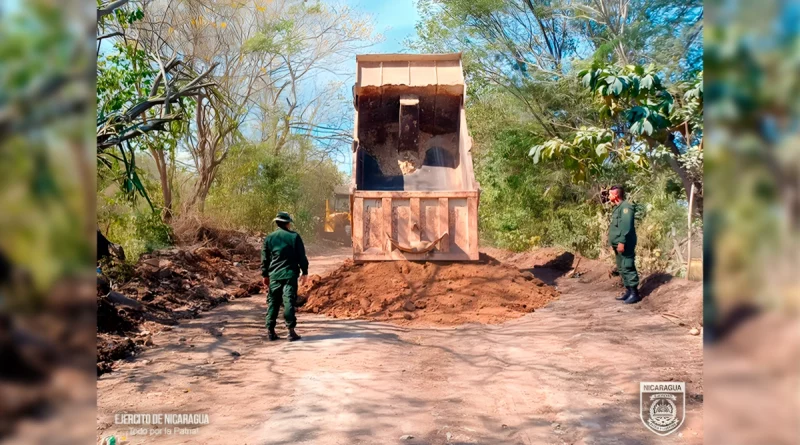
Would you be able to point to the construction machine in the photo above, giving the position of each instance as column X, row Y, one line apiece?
column 337, row 224
column 413, row 191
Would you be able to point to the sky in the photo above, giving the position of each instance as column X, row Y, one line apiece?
column 395, row 20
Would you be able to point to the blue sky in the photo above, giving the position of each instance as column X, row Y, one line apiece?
column 395, row 19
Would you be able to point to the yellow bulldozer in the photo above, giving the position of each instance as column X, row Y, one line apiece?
column 338, row 222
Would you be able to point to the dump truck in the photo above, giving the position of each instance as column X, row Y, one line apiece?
column 413, row 192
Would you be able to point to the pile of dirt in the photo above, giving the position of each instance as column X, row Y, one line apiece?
column 678, row 299
column 546, row 257
column 166, row 286
column 429, row 293
column 192, row 232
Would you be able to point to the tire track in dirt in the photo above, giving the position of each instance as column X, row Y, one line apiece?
column 566, row 374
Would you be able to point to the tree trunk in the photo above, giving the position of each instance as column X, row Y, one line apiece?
column 686, row 181
column 207, row 175
column 87, row 178
column 202, row 189
column 166, row 187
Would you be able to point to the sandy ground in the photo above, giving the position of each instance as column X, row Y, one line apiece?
column 753, row 381
column 567, row 374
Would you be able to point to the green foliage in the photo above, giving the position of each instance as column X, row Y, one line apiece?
column 588, row 153
column 658, row 213
column 278, row 37
column 122, row 74
column 136, row 226
column 255, row 183
column 124, row 77
column 636, row 110
column 692, row 110
column 526, row 205
column 46, row 69
column 138, row 232
column 635, row 92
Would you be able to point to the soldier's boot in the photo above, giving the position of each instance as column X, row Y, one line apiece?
column 634, row 297
column 293, row 335
column 625, row 294
column 272, row 335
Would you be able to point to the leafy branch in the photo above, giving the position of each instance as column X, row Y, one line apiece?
column 640, row 117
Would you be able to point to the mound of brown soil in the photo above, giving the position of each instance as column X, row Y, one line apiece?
column 679, row 299
column 191, row 231
column 164, row 287
column 427, row 292
column 547, row 257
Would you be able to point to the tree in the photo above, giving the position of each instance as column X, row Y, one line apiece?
column 526, row 102
column 138, row 94
column 637, row 116
column 264, row 52
column 520, row 46
column 666, row 32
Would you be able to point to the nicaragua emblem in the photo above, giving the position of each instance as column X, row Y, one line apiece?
column 662, row 406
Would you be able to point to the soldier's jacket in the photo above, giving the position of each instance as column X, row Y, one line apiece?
column 283, row 255
column 621, row 229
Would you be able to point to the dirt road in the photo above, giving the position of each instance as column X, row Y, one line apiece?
column 566, row 374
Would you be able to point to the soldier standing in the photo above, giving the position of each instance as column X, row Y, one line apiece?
column 283, row 258
column 622, row 236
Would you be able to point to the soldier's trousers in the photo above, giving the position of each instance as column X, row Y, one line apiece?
column 626, row 265
column 282, row 293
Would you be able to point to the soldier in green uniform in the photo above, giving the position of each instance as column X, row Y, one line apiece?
column 622, row 236
column 283, row 258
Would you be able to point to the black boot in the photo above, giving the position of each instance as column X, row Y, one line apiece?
column 634, row 297
column 625, row 295
column 272, row 335
column 293, row 335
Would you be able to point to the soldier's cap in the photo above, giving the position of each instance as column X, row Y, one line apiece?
column 283, row 217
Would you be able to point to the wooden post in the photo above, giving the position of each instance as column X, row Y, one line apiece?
column 444, row 224
column 414, row 230
column 358, row 225
column 472, row 225
column 386, row 225
column 689, row 218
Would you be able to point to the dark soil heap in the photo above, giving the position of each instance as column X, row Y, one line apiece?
column 427, row 293
column 169, row 285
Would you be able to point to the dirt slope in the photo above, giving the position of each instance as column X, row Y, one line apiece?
column 171, row 285
column 678, row 299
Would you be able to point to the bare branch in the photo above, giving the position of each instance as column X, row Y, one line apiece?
column 108, row 9
column 109, row 35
